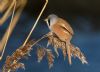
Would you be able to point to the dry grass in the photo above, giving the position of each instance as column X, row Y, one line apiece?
column 12, row 62
column 75, row 51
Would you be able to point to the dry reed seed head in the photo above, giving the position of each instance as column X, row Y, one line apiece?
column 7, row 65
column 16, row 66
column 50, row 40
column 27, row 46
column 26, row 50
column 64, row 50
column 17, row 54
column 82, row 58
column 56, row 51
column 13, row 67
column 76, row 52
column 13, row 64
column 6, row 68
column 57, row 43
column 50, row 58
column 63, row 45
column 12, row 61
column 8, row 60
column 40, row 53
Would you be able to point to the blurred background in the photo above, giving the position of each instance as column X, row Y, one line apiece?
column 84, row 18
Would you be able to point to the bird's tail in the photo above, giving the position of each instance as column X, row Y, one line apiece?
column 69, row 53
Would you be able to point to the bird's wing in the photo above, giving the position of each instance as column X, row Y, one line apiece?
column 65, row 25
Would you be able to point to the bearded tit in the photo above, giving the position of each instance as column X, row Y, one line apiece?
column 62, row 29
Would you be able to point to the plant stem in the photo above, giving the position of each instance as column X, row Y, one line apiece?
column 35, row 22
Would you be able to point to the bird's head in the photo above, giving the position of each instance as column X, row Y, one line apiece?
column 51, row 19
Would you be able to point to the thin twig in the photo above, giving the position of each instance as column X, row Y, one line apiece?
column 36, row 22
column 46, row 35
column 8, row 31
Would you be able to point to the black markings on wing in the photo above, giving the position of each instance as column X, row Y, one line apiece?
column 67, row 30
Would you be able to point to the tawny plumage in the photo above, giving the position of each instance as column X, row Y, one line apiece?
column 62, row 29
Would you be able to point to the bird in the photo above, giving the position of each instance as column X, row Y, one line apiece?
column 62, row 29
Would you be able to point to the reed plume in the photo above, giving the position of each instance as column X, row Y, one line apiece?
column 13, row 63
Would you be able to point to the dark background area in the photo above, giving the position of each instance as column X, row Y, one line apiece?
column 84, row 18
column 68, row 8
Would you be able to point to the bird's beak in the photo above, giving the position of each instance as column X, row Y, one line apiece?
column 46, row 20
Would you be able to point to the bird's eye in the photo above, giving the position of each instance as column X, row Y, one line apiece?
column 49, row 22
